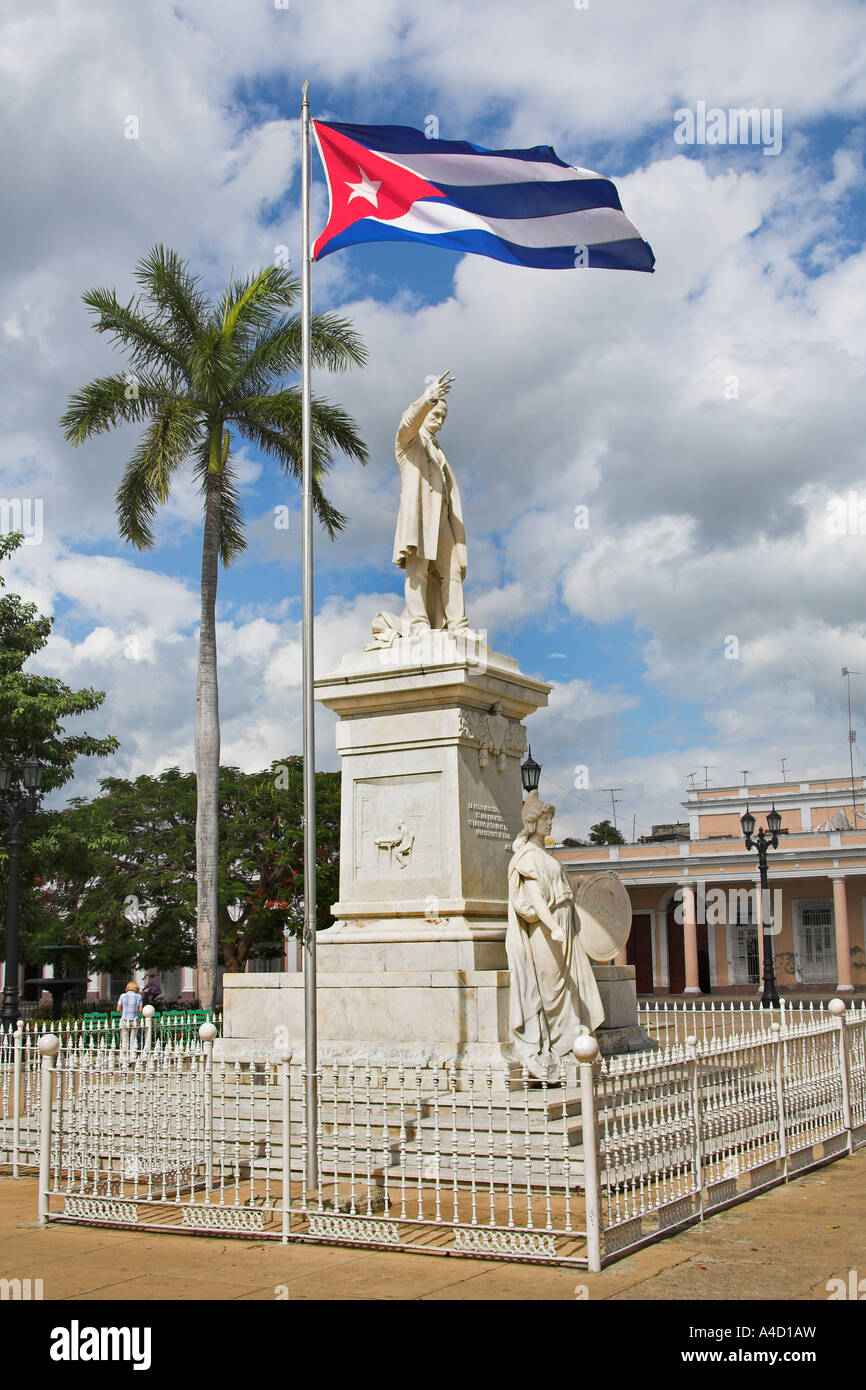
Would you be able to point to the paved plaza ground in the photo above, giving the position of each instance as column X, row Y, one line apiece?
column 783, row 1245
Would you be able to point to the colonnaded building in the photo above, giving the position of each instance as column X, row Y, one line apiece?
column 696, row 901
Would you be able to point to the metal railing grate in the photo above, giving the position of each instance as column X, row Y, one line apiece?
column 442, row 1157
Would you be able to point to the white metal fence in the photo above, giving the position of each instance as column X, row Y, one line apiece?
column 700, row 1126
column 20, row 1074
column 713, row 1020
column 444, row 1159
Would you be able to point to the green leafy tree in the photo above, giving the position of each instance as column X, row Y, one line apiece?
column 201, row 378
column 136, row 841
column 34, row 710
column 122, row 872
column 604, row 833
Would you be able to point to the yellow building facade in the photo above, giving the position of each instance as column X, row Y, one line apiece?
column 698, row 909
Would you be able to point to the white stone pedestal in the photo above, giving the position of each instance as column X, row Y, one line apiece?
column 431, row 741
column 417, row 1017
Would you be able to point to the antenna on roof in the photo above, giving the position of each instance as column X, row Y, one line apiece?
column 613, row 802
column 852, row 739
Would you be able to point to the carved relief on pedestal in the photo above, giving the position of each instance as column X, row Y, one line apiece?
column 397, row 826
column 397, row 846
column 494, row 734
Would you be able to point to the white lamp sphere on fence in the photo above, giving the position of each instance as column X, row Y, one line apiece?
column 585, row 1048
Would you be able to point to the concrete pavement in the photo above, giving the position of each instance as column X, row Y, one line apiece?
column 784, row 1245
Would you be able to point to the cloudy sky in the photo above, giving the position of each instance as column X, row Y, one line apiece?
column 710, row 417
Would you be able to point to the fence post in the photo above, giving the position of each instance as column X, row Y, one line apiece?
column 207, row 1032
column 285, row 1082
column 695, row 1092
column 837, row 1009
column 147, row 1014
column 779, row 1045
column 17, row 1060
column 49, row 1046
column 586, row 1051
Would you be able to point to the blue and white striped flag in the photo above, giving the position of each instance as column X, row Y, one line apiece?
column 390, row 183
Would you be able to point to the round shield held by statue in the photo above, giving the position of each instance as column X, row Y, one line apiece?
column 604, row 908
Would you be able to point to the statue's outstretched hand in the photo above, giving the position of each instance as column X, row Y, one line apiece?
column 440, row 387
column 558, row 935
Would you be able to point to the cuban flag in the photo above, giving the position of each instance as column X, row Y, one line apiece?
column 390, row 183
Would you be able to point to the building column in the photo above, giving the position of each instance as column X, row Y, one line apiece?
column 661, row 962
column 759, row 923
column 843, row 940
column 690, row 937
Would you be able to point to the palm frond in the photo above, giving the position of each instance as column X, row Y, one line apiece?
column 167, row 280
column 171, row 437
column 279, row 434
column 142, row 338
column 113, row 400
column 249, row 305
column 333, row 427
column 332, row 520
column 136, row 500
column 213, row 365
column 283, row 445
column 335, row 347
column 146, row 482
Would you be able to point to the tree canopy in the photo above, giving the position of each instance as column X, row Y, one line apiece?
column 605, row 833
column 34, row 710
column 134, row 845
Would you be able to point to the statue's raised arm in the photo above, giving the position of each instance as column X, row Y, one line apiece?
column 415, row 415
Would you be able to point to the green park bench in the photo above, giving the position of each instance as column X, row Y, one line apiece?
column 172, row 1025
column 179, row 1025
column 99, row 1022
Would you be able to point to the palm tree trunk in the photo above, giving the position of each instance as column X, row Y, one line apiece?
column 207, row 754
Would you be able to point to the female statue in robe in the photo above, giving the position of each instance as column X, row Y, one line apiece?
column 554, row 996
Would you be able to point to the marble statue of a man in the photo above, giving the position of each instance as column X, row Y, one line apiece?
column 554, row 996
column 430, row 543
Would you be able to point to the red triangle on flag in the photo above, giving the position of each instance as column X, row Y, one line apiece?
column 364, row 184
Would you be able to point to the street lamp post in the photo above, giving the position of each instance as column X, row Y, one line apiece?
column 762, row 842
column 19, row 796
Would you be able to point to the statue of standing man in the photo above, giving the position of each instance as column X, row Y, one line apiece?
column 430, row 543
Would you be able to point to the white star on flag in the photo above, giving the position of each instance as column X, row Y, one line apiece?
column 368, row 188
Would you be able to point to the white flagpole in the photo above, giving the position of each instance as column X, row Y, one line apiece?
column 310, row 1029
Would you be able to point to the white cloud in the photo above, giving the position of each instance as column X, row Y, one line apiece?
column 707, row 510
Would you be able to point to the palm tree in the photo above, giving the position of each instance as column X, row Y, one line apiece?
column 202, row 375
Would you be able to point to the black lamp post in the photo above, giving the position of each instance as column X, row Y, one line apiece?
column 530, row 771
column 762, row 843
column 19, row 795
